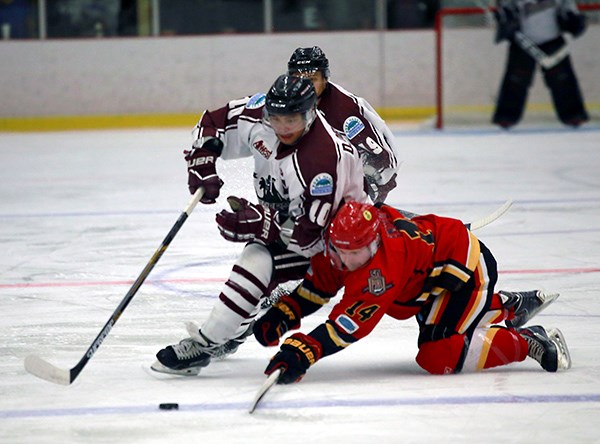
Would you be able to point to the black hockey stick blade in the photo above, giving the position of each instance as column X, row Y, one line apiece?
column 270, row 382
column 44, row 370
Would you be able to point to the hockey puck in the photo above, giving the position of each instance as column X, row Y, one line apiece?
column 169, row 406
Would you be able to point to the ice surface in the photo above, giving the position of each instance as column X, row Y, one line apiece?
column 81, row 213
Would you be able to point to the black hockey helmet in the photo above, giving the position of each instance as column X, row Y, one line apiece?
column 308, row 61
column 290, row 95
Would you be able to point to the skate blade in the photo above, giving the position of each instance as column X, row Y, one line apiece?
column 564, row 357
column 159, row 368
column 547, row 300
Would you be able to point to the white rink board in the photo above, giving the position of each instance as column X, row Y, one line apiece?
column 81, row 213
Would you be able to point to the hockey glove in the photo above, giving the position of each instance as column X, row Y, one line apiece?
column 279, row 319
column 297, row 354
column 572, row 23
column 248, row 221
column 202, row 171
column 507, row 24
column 384, row 190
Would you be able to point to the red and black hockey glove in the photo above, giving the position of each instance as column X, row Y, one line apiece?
column 297, row 354
column 248, row 221
column 202, row 172
column 278, row 320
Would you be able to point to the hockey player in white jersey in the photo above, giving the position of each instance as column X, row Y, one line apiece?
column 353, row 115
column 304, row 170
column 543, row 22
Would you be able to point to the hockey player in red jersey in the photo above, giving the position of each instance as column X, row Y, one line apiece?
column 303, row 171
column 429, row 267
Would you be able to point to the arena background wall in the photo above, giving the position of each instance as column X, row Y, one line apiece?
column 169, row 81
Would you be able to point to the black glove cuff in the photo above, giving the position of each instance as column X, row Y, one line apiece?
column 214, row 145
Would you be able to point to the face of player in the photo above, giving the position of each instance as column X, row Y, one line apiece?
column 288, row 127
column 318, row 80
column 354, row 259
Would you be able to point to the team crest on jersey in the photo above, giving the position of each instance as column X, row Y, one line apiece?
column 270, row 196
column 321, row 185
column 376, row 283
column 262, row 149
column 353, row 126
column 256, row 101
column 346, row 324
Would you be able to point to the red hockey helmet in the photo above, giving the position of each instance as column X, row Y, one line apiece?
column 354, row 227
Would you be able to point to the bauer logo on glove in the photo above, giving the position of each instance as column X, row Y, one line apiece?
column 201, row 166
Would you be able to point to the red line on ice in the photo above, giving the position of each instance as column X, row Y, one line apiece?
column 222, row 279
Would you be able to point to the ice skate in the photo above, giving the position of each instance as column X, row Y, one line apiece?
column 548, row 347
column 231, row 346
column 185, row 358
column 527, row 304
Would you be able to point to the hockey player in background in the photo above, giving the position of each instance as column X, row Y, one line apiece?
column 303, row 171
column 543, row 22
column 429, row 267
column 355, row 117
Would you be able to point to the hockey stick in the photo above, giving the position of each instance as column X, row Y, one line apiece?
column 45, row 370
column 527, row 45
column 270, row 382
column 480, row 223
column 545, row 60
column 476, row 224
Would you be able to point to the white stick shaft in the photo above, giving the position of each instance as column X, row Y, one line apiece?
column 480, row 223
column 270, row 382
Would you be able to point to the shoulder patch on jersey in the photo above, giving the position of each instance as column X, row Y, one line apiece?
column 256, row 101
column 321, row 185
column 353, row 126
column 346, row 324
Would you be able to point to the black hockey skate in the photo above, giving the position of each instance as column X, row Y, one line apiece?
column 192, row 354
column 548, row 347
column 185, row 358
column 527, row 304
column 231, row 346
